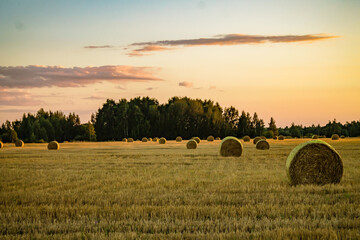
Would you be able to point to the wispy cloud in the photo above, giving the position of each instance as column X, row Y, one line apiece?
column 96, row 47
column 48, row 76
column 94, row 97
column 214, row 88
column 17, row 98
column 186, row 84
column 221, row 40
column 120, row 87
column 148, row 48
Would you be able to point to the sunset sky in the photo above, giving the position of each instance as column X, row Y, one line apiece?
column 296, row 61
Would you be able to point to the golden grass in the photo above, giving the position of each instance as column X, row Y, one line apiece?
column 150, row 191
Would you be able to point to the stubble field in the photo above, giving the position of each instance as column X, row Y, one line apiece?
column 151, row 191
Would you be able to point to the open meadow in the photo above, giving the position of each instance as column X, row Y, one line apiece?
column 148, row 190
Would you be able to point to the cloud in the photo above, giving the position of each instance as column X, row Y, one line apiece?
column 47, row 76
column 94, row 97
column 17, row 98
column 222, row 40
column 121, row 88
column 96, row 47
column 214, row 88
column 186, row 84
column 149, row 48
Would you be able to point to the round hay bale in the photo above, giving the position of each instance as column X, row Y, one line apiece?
column 262, row 145
column 342, row 136
column 197, row 139
column 178, row 139
column 149, row 139
column 53, row 145
column 155, row 139
column 231, row 146
column 124, row 140
column 210, row 139
column 281, row 137
column 335, row 137
column 191, row 144
column 144, row 139
column 19, row 143
column 130, row 140
column 256, row 140
column 246, row 139
column 314, row 137
column 1, row 144
column 162, row 140
column 314, row 162
column 275, row 137
column 218, row 138
column 263, row 137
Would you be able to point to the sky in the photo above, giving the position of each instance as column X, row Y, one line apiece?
column 295, row 61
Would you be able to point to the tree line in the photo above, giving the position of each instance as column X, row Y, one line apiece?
column 47, row 126
column 145, row 117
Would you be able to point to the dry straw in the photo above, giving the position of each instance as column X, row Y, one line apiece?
column 149, row 139
column 314, row 137
column 218, row 138
column 162, row 140
column 191, row 144
column 246, row 139
column 210, row 139
column 178, row 139
column 275, row 137
column 155, row 139
column 256, row 140
column 335, row 137
column 1, row 144
column 263, row 137
column 281, row 137
column 197, row 139
column 130, row 140
column 314, row 162
column 19, row 143
column 124, row 140
column 342, row 136
column 53, row 145
column 262, row 145
column 144, row 139
column 231, row 146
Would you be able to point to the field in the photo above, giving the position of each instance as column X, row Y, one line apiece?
column 152, row 191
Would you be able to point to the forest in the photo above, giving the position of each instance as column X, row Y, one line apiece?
column 145, row 117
